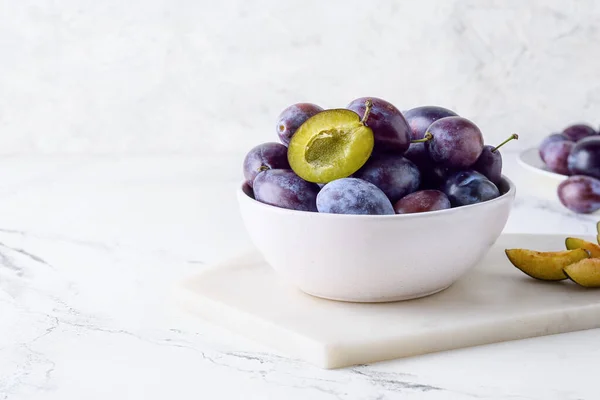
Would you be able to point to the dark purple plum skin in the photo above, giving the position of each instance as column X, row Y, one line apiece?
column 419, row 118
column 283, row 188
column 434, row 176
column 292, row 117
column 580, row 194
column 417, row 153
column 584, row 158
column 469, row 187
column 489, row 164
column 394, row 175
column 578, row 131
column 555, row 137
column 556, row 156
column 457, row 142
column 265, row 156
column 390, row 129
column 247, row 189
column 422, row 201
column 353, row 196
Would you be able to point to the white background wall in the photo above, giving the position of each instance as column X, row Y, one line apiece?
column 210, row 76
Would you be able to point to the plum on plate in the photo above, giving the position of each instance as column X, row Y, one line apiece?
column 556, row 156
column 330, row 145
column 584, row 157
column 578, row 131
column 555, row 137
column 454, row 142
column 283, row 188
column 292, row 117
column 353, row 196
column 422, row 201
column 469, row 187
column 391, row 131
column 263, row 157
column 394, row 175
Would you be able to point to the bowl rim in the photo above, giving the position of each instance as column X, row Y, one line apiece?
column 510, row 193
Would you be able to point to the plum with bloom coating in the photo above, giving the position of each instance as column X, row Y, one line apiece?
column 265, row 156
column 283, row 188
column 353, row 196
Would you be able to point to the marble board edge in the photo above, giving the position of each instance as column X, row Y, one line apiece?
column 332, row 356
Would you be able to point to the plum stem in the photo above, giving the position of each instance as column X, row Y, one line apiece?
column 428, row 136
column 513, row 136
column 368, row 108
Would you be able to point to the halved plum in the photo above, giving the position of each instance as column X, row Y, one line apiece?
column 330, row 145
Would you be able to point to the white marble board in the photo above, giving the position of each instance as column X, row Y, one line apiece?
column 495, row 302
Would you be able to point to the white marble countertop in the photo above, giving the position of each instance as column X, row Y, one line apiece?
column 91, row 247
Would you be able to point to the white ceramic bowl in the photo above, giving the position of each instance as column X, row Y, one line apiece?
column 375, row 258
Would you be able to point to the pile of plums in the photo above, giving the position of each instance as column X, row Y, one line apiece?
column 575, row 152
column 371, row 158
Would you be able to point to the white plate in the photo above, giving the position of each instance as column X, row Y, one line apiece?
column 530, row 160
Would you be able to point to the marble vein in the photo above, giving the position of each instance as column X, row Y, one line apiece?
column 390, row 381
column 25, row 253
